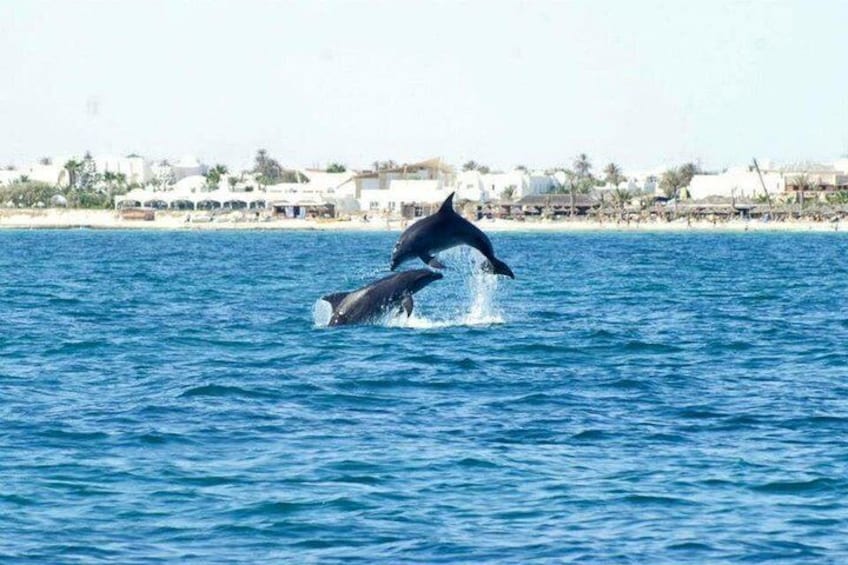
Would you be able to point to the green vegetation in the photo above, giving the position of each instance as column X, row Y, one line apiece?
column 475, row 166
column 214, row 176
column 384, row 165
column 27, row 194
column 336, row 168
column 267, row 170
column 613, row 174
column 676, row 178
column 508, row 193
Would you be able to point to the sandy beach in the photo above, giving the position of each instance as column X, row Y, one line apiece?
column 110, row 219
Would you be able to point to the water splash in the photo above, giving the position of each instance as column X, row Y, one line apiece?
column 321, row 313
column 468, row 295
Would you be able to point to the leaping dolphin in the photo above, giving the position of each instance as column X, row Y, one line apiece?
column 369, row 303
column 440, row 231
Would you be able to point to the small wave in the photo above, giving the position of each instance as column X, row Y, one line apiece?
column 698, row 413
column 154, row 438
column 476, row 463
column 589, row 435
column 209, row 481
column 276, row 508
column 223, row 390
column 64, row 434
column 646, row 499
column 354, row 479
column 797, row 487
column 690, row 546
column 628, row 384
column 639, row 346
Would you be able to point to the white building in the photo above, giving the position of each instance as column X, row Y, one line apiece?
column 390, row 190
column 515, row 184
column 50, row 174
column 186, row 167
column 136, row 169
column 738, row 182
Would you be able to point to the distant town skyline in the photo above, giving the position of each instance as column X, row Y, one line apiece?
column 642, row 84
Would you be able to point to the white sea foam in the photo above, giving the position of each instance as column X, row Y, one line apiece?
column 321, row 313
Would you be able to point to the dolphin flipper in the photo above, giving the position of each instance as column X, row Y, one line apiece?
column 433, row 262
column 497, row 267
column 408, row 305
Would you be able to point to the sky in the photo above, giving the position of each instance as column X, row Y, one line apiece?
column 640, row 83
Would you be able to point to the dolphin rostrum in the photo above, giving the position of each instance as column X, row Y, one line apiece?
column 389, row 294
column 440, row 231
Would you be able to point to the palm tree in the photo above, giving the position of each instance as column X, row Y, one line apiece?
column 572, row 179
column 582, row 166
column 802, row 184
column 268, row 170
column 687, row 171
column 671, row 182
column 620, row 197
column 215, row 174
column 121, row 181
column 109, row 179
column 232, row 181
column 612, row 174
column 73, row 168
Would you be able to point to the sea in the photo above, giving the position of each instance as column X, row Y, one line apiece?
column 176, row 397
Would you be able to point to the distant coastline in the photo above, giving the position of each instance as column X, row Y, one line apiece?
column 52, row 218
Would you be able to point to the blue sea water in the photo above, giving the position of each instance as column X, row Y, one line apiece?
column 629, row 398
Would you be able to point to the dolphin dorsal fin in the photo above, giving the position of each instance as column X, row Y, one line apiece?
column 335, row 299
column 447, row 205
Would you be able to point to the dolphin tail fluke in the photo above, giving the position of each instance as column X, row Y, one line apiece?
column 498, row 267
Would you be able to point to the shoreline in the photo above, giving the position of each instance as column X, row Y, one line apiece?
column 58, row 219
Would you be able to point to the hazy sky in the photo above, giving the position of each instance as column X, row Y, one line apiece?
column 640, row 83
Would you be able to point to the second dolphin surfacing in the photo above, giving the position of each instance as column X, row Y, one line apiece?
column 440, row 231
column 389, row 294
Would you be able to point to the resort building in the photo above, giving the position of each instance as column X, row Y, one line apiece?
column 815, row 177
column 318, row 193
column 186, row 167
column 135, row 168
column 316, row 189
column 737, row 182
column 406, row 189
column 50, row 174
column 513, row 185
column 745, row 183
